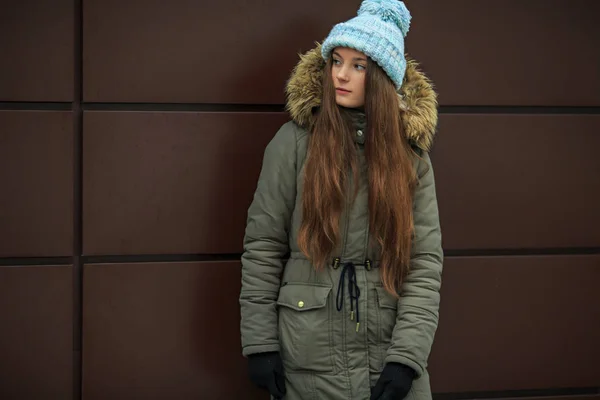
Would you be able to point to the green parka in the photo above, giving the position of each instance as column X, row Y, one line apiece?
column 289, row 307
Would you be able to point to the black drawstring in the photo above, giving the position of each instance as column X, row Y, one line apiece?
column 353, row 290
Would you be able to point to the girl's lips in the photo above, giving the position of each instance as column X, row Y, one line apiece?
column 342, row 91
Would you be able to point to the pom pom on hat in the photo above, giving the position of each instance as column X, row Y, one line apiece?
column 393, row 11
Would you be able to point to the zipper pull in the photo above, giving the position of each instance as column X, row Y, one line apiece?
column 336, row 263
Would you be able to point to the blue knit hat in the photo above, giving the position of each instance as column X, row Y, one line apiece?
column 378, row 31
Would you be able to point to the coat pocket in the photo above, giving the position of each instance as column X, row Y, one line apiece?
column 304, row 327
column 388, row 306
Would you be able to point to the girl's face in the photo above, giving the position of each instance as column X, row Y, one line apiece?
column 348, row 71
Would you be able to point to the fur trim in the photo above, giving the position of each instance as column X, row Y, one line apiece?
column 418, row 100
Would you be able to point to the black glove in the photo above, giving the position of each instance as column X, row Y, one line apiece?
column 266, row 372
column 394, row 383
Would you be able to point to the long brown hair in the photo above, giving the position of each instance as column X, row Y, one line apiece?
column 332, row 155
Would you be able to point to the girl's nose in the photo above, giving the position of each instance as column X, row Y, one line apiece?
column 342, row 74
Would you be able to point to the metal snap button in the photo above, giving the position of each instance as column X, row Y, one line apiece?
column 359, row 132
column 300, row 304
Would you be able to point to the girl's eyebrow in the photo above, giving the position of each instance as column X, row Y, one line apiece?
column 354, row 59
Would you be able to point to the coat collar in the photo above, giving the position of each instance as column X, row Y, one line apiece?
column 418, row 100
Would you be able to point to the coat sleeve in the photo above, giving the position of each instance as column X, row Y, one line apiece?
column 418, row 306
column 266, row 243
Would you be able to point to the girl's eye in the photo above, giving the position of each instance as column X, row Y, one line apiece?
column 360, row 67
column 336, row 62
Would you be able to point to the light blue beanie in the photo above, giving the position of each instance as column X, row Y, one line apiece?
column 378, row 31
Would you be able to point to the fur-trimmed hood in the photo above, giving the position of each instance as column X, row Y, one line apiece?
column 418, row 100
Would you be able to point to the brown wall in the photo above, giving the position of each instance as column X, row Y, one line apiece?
column 131, row 136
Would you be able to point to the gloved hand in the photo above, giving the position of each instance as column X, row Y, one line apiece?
column 266, row 372
column 394, row 383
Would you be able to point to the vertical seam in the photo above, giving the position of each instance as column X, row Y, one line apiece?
column 345, row 356
column 314, row 387
column 330, row 328
column 367, row 226
column 366, row 329
column 379, row 329
column 345, row 237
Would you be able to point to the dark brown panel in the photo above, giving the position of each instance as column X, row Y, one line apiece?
column 171, row 182
column 163, row 331
column 231, row 51
column 518, row 181
column 36, row 175
column 36, row 43
column 537, row 310
column 510, row 52
column 514, row 323
column 36, row 338
column 181, row 182
column 161, row 54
